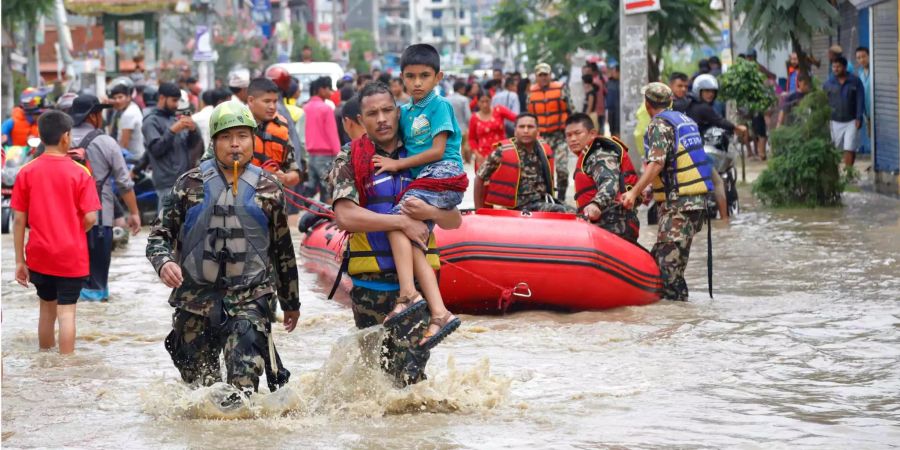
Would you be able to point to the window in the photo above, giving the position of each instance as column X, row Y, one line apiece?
column 437, row 32
column 462, row 14
column 462, row 31
column 437, row 13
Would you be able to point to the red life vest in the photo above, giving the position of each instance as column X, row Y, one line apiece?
column 22, row 129
column 549, row 107
column 586, row 186
column 503, row 187
column 271, row 143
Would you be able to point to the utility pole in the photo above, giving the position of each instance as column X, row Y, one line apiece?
column 633, row 70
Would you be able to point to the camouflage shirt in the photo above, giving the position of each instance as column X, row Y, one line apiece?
column 660, row 148
column 164, row 244
column 532, row 186
column 604, row 167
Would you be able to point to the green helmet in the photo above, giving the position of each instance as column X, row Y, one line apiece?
column 230, row 114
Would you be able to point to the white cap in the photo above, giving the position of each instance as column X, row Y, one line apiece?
column 239, row 78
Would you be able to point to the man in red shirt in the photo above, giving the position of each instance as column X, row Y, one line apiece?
column 57, row 198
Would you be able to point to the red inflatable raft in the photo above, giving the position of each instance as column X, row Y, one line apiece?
column 500, row 259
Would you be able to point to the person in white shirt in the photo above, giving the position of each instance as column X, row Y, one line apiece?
column 210, row 98
column 128, row 119
column 238, row 81
column 508, row 98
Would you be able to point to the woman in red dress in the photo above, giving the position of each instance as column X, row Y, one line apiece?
column 486, row 128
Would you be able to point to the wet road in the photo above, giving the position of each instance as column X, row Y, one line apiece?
column 799, row 349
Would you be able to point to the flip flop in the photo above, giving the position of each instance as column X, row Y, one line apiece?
column 393, row 319
column 447, row 326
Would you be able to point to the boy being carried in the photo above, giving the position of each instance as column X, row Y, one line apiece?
column 57, row 198
column 432, row 139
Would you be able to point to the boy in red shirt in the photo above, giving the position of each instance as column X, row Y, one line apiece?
column 57, row 198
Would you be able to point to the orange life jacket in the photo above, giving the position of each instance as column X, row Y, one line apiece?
column 271, row 144
column 586, row 186
column 22, row 129
column 549, row 107
column 503, row 187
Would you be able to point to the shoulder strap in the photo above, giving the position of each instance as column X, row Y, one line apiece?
column 87, row 139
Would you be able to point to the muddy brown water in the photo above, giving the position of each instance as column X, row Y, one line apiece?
column 799, row 349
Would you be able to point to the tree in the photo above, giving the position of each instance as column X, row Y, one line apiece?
column 361, row 41
column 303, row 39
column 677, row 24
column 774, row 22
column 18, row 13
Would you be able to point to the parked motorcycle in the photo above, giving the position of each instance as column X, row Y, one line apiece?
column 15, row 157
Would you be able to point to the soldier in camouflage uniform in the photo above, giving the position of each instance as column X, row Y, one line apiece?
column 214, row 312
column 535, row 192
column 553, row 131
column 680, row 216
column 374, row 294
column 604, row 171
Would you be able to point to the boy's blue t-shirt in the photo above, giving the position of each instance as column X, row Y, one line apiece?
column 421, row 121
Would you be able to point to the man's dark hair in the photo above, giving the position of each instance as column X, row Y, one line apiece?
column 347, row 92
column 715, row 60
column 594, row 67
column 587, row 79
column 863, row 48
column 804, row 78
column 509, row 83
column 841, row 60
column 458, row 84
column 190, row 80
column 678, row 76
column 293, row 87
column 234, row 90
column 421, row 55
column 581, row 118
column 351, row 110
column 524, row 115
column 491, row 84
column 52, row 125
column 209, row 97
column 363, row 78
column 373, row 88
column 385, row 78
column 319, row 83
column 262, row 85
column 306, row 47
column 221, row 95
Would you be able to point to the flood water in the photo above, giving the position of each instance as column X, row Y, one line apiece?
column 799, row 349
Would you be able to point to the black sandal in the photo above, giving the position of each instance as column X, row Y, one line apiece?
column 414, row 305
column 445, row 325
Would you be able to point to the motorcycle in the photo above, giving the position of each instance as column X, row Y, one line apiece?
column 717, row 145
column 15, row 157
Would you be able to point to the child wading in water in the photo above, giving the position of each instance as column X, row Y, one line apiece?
column 57, row 198
column 432, row 140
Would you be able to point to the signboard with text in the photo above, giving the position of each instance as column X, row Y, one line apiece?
column 641, row 6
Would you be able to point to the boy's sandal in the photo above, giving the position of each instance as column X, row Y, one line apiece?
column 409, row 306
column 446, row 324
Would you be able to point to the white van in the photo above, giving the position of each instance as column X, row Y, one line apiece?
column 309, row 72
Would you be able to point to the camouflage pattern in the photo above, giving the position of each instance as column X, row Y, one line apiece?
column 557, row 141
column 253, row 307
column 401, row 356
column 532, row 194
column 196, row 342
column 677, row 228
column 658, row 92
column 660, row 147
column 604, row 167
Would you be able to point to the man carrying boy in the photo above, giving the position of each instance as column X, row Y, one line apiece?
column 57, row 198
column 375, row 286
column 227, row 258
column 432, row 139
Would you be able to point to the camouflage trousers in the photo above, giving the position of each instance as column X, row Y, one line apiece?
column 557, row 141
column 624, row 224
column 677, row 228
column 546, row 207
column 196, row 342
column 401, row 356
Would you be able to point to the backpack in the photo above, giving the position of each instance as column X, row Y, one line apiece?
column 79, row 152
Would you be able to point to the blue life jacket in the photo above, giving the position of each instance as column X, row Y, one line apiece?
column 691, row 173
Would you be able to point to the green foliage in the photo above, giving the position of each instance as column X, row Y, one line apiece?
column 771, row 23
column 804, row 169
column 301, row 39
column 746, row 85
column 677, row 24
column 362, row 42
column 18, row 12
column 235, row 44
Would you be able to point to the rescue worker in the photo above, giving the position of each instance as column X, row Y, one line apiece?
column 273, row 150
column 603, row 173
column 549, row 101
column 370, row 263
column 682, row 177
column 23, row 123
column 283, row 79
column 519, row 173
column 227, row 258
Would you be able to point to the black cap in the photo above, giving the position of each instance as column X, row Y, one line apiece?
column 169, row 90
column 83, row 106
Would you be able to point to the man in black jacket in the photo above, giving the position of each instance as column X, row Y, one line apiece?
column 172, row 142
column 700, row 109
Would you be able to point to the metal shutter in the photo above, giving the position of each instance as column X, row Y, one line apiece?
column 887, row 126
